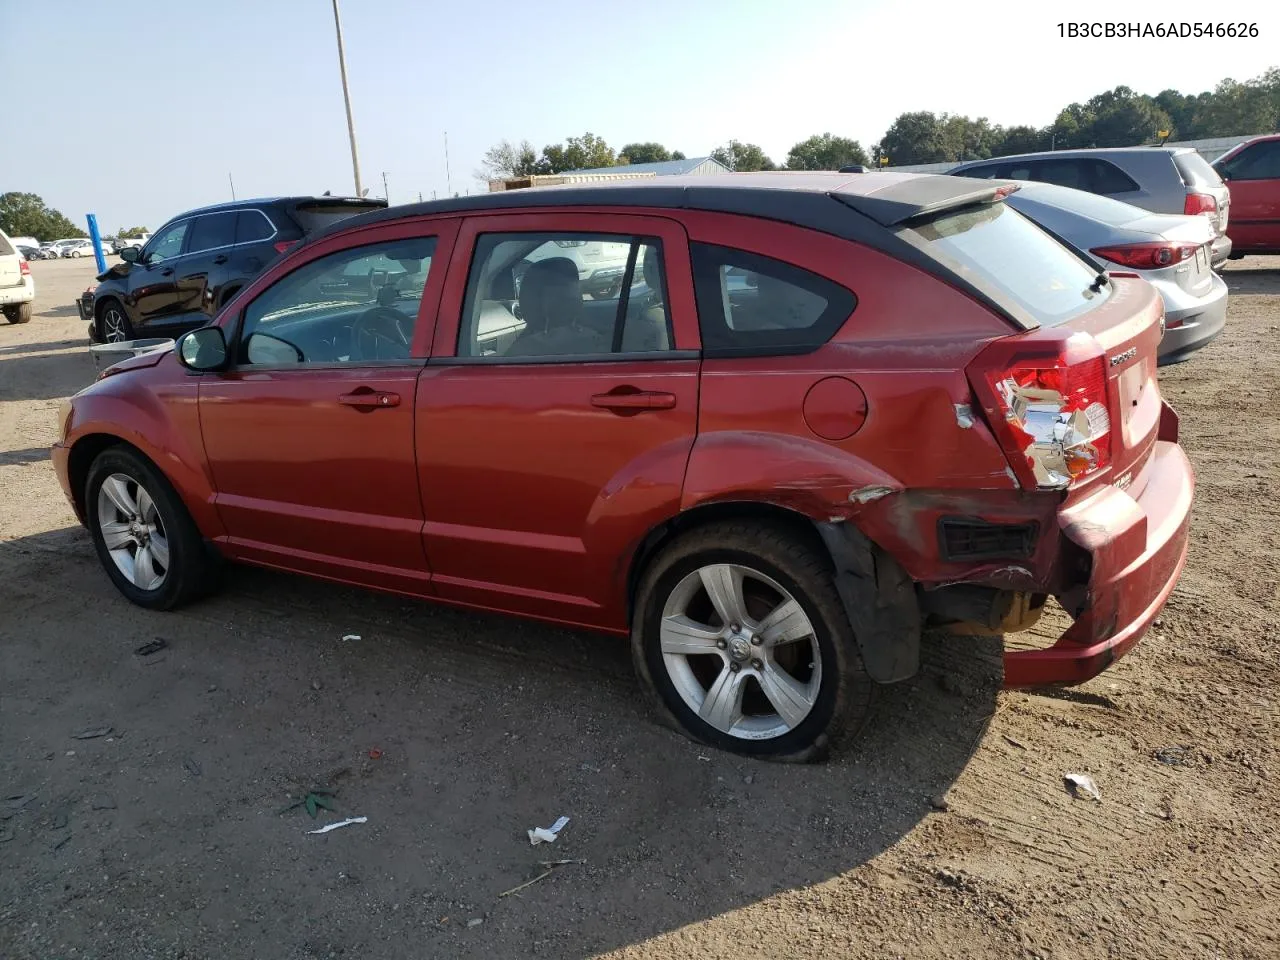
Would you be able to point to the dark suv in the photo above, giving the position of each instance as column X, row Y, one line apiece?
column 198, row 261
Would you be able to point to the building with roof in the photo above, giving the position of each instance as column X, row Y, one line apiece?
column 627, row 171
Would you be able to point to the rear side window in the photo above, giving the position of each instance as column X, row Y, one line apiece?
column 212, row 230
column 1013, row 261
column 6, row 248
column 1108, row 178
column 1195, row 170
column 252, row 226
column 316, row 216
column 981, row 173
column 749, row 305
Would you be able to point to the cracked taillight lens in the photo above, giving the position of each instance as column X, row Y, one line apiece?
column 1056, row 419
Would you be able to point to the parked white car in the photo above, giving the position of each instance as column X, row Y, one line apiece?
column 17, row 289
column 77, row 248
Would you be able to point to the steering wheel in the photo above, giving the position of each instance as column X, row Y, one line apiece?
column 381, row 333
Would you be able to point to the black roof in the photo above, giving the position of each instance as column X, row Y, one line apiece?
column 802, row 198
column 253, row 202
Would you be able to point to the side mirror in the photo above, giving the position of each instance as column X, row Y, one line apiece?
column 129, row 254
column 202, row 349
column 269, row 351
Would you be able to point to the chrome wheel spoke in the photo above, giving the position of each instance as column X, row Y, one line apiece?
column 146, row 507
column 159, row 549
column 786, row 623
column 117, row 534
column 680, row 635
column 723, row 583
column 722, row 707
column 789, row 696
column 117, row 492
column 145, row 576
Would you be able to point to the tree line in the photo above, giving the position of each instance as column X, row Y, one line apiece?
column 27, row 215
column 1116, row 118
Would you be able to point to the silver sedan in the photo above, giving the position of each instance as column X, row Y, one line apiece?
column 1170, row 251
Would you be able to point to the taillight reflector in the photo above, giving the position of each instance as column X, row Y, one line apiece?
column 1200, row 203
column 24, row 268
column 1052, row 418
column 1148, row 256
column 283, row 245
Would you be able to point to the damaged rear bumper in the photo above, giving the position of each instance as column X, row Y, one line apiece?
column 1134, row 549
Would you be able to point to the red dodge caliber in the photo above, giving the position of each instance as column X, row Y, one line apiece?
column 811, row 415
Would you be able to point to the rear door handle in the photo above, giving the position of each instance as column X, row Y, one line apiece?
column 168, row 272
column 220, row 258
column 369, row 399
column 641, row 400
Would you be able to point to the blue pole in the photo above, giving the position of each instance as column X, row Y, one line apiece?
column 97, row 243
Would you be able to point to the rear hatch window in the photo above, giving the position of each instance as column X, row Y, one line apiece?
column 1195, row 170
column 1011, row 260
column 322, row 213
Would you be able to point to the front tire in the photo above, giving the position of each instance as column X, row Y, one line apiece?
column 741, row 641
column 146, row 540
column 19, row 312
column 113, row 323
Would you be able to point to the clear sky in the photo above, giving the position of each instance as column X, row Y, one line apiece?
column 138, row 111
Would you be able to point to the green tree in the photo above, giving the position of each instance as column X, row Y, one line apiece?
column 825, row 151
column 577, row 153
column 26, row 215
column 131, row 232
column 505, row 160
column 1235, row 109
column 1021, row 139
column 648, row 152
column 742, row 157
column 916, row 137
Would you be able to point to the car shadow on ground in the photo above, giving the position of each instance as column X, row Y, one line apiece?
column 45, row 371
column 13, row 458
column 453, row 732
column 1250, row 280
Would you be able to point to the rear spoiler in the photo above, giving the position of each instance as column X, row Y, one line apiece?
column 923, row 196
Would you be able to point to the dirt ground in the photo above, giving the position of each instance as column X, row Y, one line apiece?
column 455, row 733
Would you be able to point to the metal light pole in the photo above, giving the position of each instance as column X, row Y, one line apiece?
column 233, row 185
column 346, row 97
column 386, row 194
column 448, row 178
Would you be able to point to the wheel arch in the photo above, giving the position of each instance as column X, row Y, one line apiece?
column 878, row 596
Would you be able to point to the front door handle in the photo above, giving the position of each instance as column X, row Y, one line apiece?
column 369, row 399
column 220, row 258
column 639, row 400
column 167, row 272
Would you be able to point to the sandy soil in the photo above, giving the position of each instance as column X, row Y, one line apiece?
column 455, row 733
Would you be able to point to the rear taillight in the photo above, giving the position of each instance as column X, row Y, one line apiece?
column 1050, row 413
column 24, row 268
column 1147, row 256
column 1200, row 203
column 283, row 245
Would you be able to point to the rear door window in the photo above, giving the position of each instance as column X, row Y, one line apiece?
column 211, row 231
column 252, row 226
column 1106, row 178
column 1010, row 259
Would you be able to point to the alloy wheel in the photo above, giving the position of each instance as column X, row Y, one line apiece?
column 740, row 651
column 113, row 325
column 133, row 531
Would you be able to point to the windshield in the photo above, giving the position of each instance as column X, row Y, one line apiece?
column 315, row 216
column 1013, row 261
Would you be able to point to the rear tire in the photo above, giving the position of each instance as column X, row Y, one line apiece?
column 19, row 312
column 144, row 536
column 793, row 655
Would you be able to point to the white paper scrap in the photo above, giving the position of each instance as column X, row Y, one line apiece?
column 341, row 823
column 546, row 834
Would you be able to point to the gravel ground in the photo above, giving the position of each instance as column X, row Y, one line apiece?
column 454, row 733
